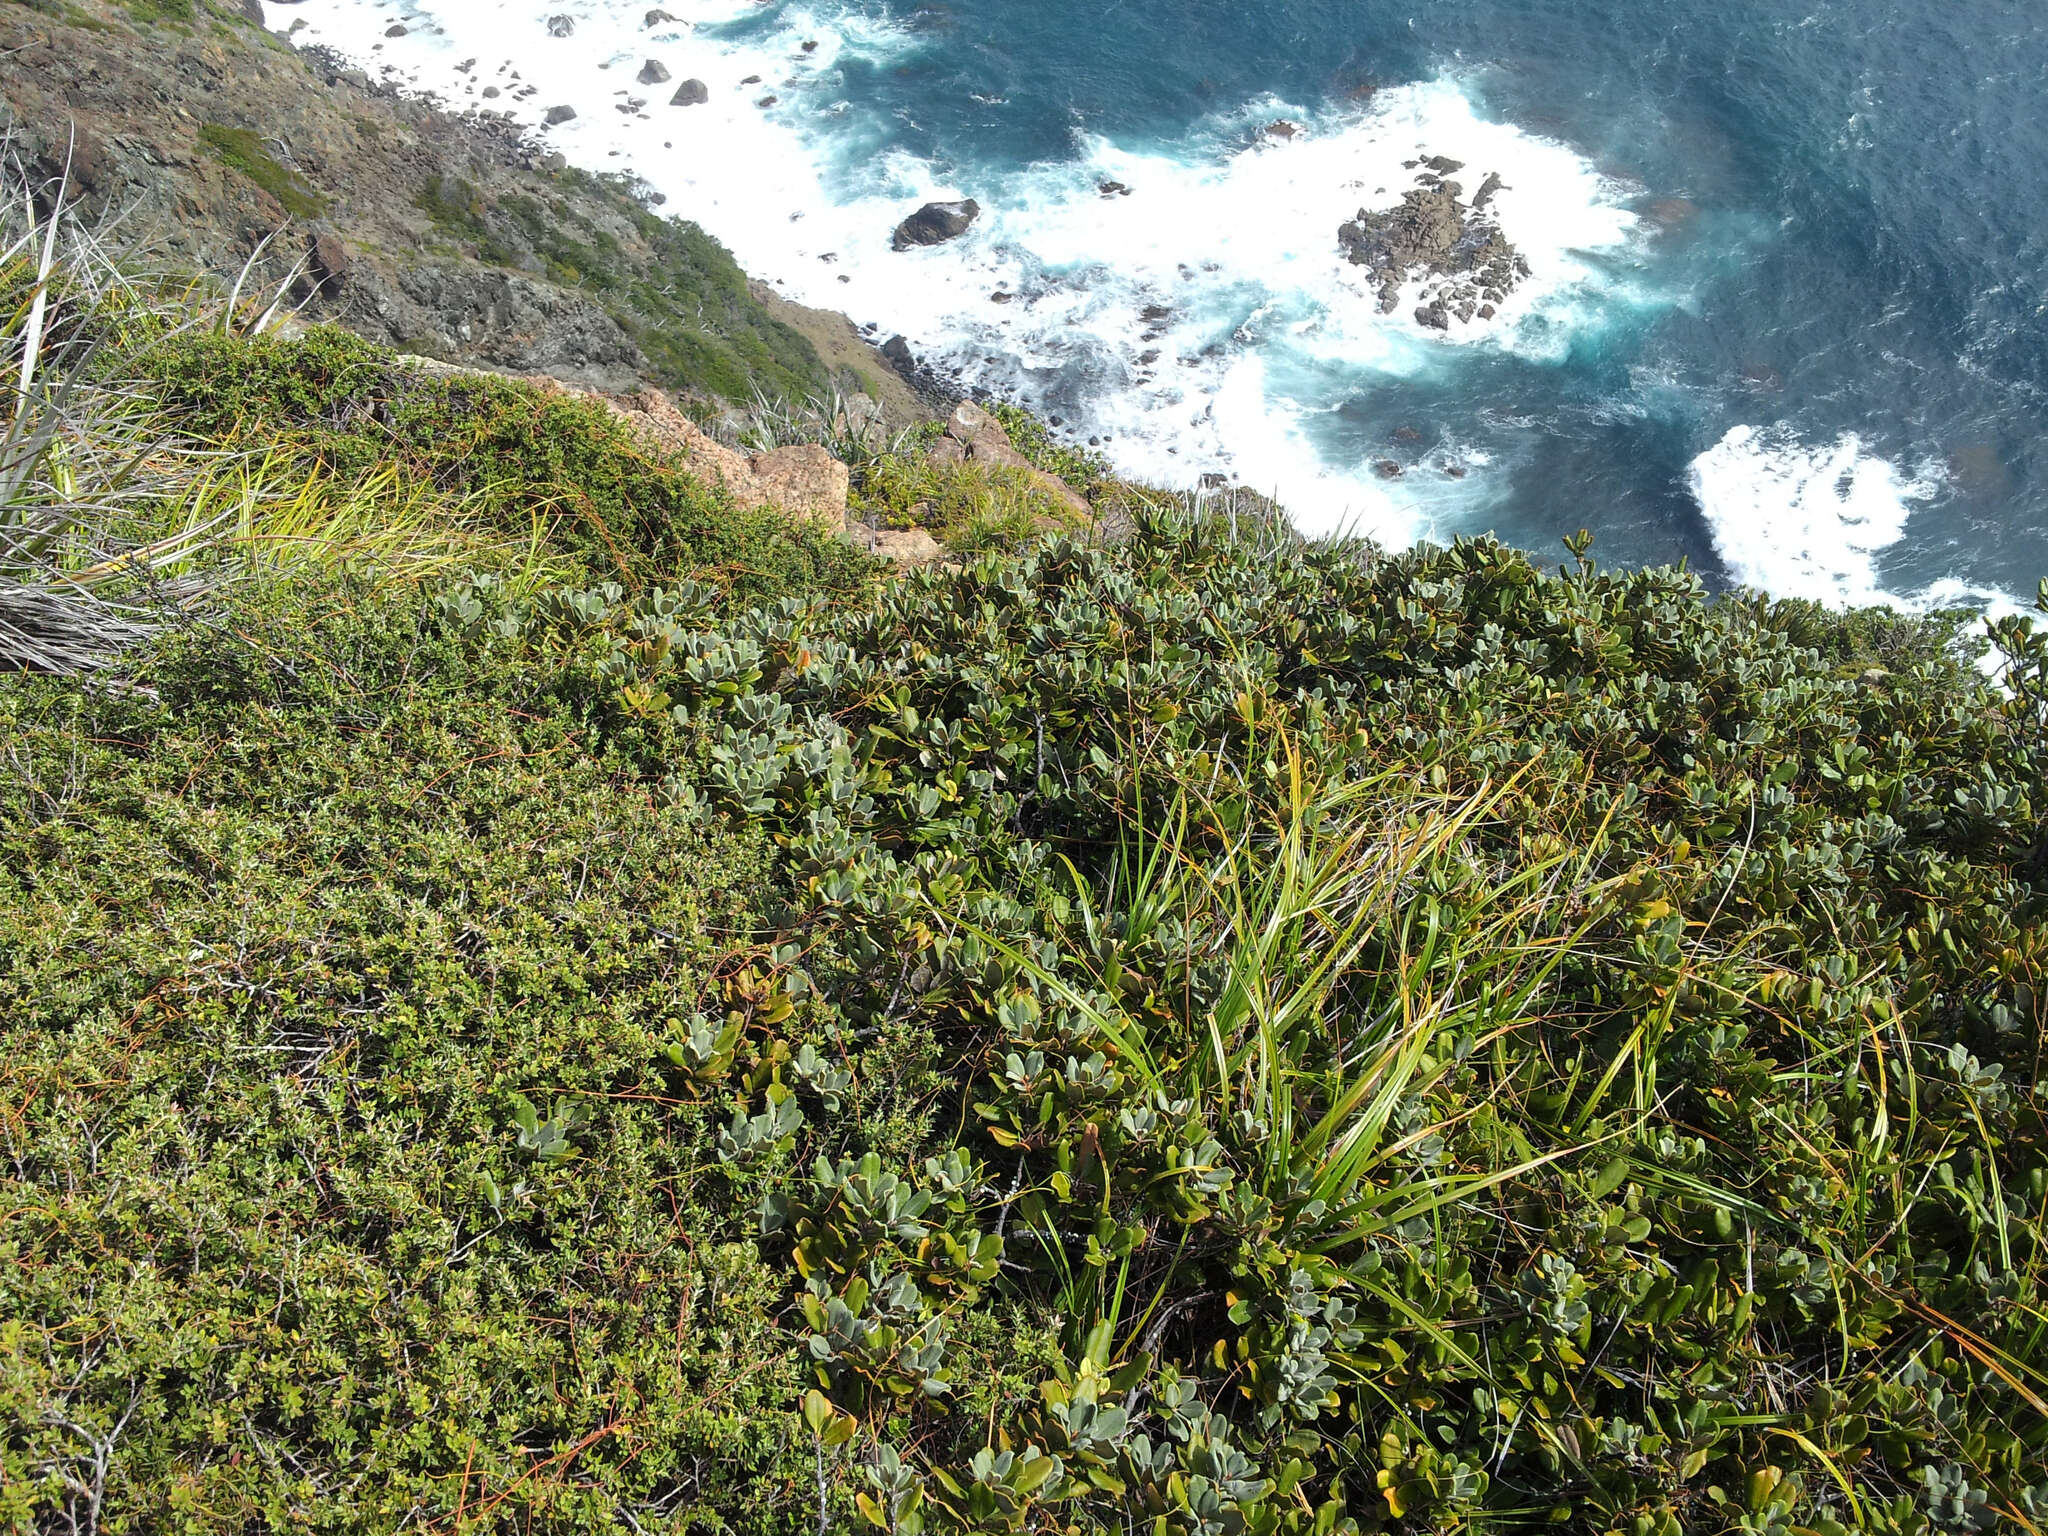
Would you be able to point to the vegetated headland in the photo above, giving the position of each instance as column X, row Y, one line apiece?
column 687, row 945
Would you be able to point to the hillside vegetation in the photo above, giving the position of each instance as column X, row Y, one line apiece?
column 535, row 1000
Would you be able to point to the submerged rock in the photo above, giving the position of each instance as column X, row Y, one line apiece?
column 936, row 223
column 561, row 26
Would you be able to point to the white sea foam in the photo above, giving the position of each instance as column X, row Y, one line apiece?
column 1805, row 521
column 1230, row 234
column 1800, row 520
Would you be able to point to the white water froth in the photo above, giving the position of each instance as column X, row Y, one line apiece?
column 1205, row 322
column 1799, row 520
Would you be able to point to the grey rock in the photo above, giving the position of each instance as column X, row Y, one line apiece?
column 1431, row 233
column 396, row 29
column 561, row 26
column 897, row 354
column 328, row 264
column 936, row 223
column 653, row 72
column 656, row 19
column 560, row 115
column 691, row 93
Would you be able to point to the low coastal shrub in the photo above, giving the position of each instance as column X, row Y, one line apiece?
column 1214, row 1034
column 243, row 150
column 512, row 448
column 681, row 297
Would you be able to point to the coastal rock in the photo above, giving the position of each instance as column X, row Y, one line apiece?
column 936, row 223
column 327, row 263
column 973, row 436
column 1112, row 189
column 897, row 354
column 653, row 72
column 691, row 93
column 804, row 480
column 252, row 10
column 561, row 26
column 560, row 115
column 656, row 19
column 1281, row 128
column 1431, row 233
column 903, row 546
column 125, row 109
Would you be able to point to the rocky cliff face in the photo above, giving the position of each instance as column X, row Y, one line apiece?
column 442, row 234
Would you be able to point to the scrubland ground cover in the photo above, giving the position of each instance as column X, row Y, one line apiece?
column 579, row 1009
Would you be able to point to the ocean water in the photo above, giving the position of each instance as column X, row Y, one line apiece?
column 1787, row 313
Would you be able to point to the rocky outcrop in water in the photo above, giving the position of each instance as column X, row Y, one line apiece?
column 936, row 223
column 1432, row 234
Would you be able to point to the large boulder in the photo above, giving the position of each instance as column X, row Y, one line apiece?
column 328, row 263
column 560, row 115
column 691, row 93
column 653, row 72
column 904, row 546
column 936, row 223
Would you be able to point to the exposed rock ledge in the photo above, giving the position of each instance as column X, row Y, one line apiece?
column 1432, row 233
column 805, row 480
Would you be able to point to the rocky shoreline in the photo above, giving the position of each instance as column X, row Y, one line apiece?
column 1467, row 264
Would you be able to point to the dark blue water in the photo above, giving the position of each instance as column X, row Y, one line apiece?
column 1857, row 195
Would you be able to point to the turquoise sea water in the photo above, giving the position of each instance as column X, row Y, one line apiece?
column 1789, row 319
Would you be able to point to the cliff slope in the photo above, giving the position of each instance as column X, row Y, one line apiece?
column 440, row 234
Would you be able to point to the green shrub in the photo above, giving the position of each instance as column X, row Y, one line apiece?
column 1443, row 1044
column 281, row 959
column 1216, row 1034
column 242, row 149
column 353, row 406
